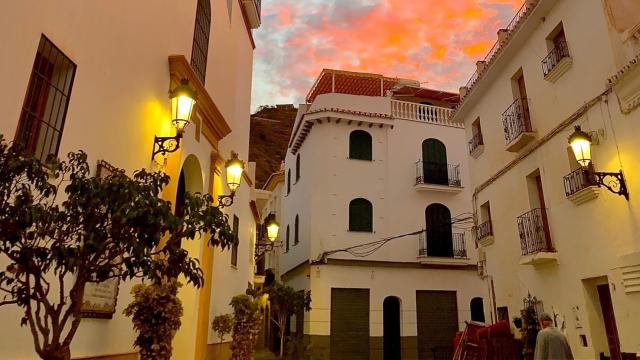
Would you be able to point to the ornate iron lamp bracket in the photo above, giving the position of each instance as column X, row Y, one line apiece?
column 263, row 247
column 612, row 181
column 165, row 144
column 226, row 200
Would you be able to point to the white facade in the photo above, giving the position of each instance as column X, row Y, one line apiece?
column 591, row 243
column 125, row 68
column 329, row 179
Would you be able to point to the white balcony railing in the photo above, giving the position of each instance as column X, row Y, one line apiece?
column 418, row 112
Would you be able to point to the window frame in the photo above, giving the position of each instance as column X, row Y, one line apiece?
column 234, row 248
column 360, row 224
column 201, row 38
column 360, row 153
column 41, row 102
column 296, row 231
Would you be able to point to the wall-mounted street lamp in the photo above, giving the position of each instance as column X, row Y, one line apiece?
column 268, row 244
column 183, row 99
column 580, row 142
column 235, row 168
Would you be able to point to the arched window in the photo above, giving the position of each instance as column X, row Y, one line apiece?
column 200, row 48
column 286, row 243
column 434, row 162
column 296, row 231
column 439, row 234
column 298, row 167
column 360, row 145
column 360, row 215
column 477, row 309
column 288, row 181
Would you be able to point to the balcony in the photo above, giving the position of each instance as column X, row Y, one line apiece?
column 579, row 187
column 423, row 113
column 476, row 145
column 253, row 10
column 517, row 125
column 442, row 248
column 484, row 233
column 557, row 62
column 436, row 176
column 482, row 268
column 535, row 238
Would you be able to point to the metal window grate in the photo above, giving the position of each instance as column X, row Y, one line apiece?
column 429, row 172
column 559, row 52
column 46, row 102
column 516, row 120
column 200, row 48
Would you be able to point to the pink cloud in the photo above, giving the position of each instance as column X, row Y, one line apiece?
column 433, row 41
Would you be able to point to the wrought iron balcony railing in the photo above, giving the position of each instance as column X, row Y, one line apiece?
column 577, row 180
column 476, row 140
column 559, row 52
column 483, row 230
column 516, row 120
column 437, row 173
column 533, row 229
column 442, row 244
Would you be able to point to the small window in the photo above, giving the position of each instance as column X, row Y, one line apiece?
column 288, row 181
column 296, row 231
column 200, row 48
column 477, row 309
column 360, row 215
column 46, row 102
column 360, row 145
column 234, row 248
column 298, row 168
column 286, row 243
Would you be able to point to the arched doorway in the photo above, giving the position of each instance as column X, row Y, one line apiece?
column 477, row 309
column 185, row 340
column 439, row 233
column 391, row 328
column 434, row 162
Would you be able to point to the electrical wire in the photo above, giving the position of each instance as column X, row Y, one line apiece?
column 463, row 221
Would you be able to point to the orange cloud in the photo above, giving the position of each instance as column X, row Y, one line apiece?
column 433, row 41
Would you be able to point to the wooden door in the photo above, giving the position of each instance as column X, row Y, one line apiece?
column 524, row 108
column 437, row 323
column 391, row 328
column 543, row 208
column 349, row 324
column 439, row 232
column 609, row 322
column 434, row 162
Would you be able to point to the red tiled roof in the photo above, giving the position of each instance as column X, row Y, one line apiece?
column 367, row 84
column 349, row 82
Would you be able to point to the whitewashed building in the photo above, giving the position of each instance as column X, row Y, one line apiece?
column 95, row 75
column 372, row 158
column 545, row 225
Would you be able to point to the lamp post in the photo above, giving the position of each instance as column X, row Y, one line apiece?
column 265, row 245
column 183, row 99
column 234, row 167
column 580, row 142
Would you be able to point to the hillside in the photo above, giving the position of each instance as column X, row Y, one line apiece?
column 269, row 135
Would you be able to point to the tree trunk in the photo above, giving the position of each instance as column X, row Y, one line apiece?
column 281, row 342
column 56, row 352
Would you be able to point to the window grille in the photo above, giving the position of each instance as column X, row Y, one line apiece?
column 46, row 102
column 200, row 48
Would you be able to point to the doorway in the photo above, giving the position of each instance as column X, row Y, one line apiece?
column 434, row 162
column 391, row 328
column 606, row 305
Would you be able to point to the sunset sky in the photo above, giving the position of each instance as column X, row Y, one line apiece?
column 434, row 41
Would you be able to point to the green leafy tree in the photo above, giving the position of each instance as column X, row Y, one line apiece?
column 284, row 302
column 155, row 311
column 61, row 228
column 222, row 325
column 247, row 315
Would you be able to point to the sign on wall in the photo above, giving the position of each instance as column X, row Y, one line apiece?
column 100, row 299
